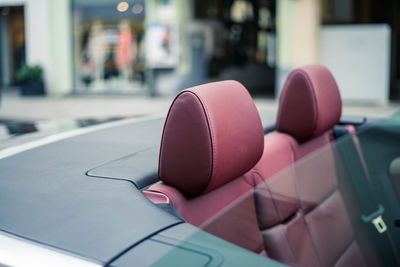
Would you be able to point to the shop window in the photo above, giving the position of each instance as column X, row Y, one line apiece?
column 108, row 45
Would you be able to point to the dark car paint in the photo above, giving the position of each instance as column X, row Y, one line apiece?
column 81, row 195
column 46, row 196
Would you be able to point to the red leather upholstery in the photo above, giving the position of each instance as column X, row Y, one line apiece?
column 227, row 212
column 310, row 103
column 212, row 135
column 301, row 212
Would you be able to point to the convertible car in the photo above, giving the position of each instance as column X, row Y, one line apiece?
column 209, row 185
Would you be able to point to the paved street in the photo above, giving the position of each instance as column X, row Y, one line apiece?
column 50, row 115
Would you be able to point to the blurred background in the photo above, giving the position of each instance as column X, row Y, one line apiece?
column 85, row 59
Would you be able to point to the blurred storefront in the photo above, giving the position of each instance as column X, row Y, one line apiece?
column 215, row 40
column 156, row 47
column 243, row 35
column 37, row 33
column 159, row 47
column 108, row 46
column 12, row 43
column 357, row 39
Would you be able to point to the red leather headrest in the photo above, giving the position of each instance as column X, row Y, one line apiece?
column 310, row 103
column 212, row 134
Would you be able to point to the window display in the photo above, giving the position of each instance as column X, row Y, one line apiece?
column 108, row 44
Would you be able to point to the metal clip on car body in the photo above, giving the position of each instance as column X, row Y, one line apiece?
column 376, row 219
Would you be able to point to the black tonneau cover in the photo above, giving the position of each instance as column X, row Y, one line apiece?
column 46, row 196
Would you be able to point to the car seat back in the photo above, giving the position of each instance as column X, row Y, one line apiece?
column 301, row 212
column 212, row 138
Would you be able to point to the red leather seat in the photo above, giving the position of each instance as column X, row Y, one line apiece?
column 211, row 144
column 212, row 137
column 301, row 212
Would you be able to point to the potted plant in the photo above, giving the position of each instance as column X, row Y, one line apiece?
column 30, row 79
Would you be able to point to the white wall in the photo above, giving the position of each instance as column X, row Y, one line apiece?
column 359, row 58
column 37, row 36
column 298, row 24
column 61, row 55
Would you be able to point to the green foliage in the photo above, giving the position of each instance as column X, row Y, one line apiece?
column 29, row 73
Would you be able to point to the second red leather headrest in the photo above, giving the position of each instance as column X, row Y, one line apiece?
column 310, row 103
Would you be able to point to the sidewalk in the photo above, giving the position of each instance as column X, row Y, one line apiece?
column 79, row 107
column 48, row 115
column 15, row 107
column 51, row 115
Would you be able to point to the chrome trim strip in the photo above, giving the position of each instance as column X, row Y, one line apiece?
column 16, row 251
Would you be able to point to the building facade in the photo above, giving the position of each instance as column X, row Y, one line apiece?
column 162, row 46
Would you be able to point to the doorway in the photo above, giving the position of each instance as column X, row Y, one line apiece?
column 12, row 44
column 243, row 41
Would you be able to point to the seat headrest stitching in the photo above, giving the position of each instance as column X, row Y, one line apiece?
column 315, row 100
column 162, row 136
column 211, row 132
